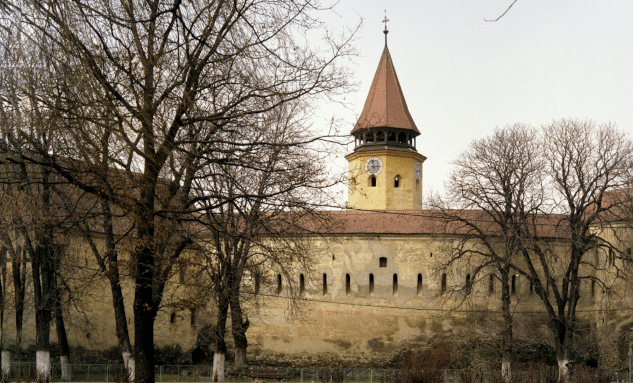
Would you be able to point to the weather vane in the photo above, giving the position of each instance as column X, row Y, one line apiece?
column 386, row 30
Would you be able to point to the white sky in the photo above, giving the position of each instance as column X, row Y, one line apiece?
column 462, row 76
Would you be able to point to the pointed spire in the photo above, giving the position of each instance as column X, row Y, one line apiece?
column 385, row 106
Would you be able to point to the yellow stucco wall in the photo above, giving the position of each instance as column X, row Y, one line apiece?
column 353, row 324
column 384, row 196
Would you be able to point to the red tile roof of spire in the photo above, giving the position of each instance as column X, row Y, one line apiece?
column 385, row 105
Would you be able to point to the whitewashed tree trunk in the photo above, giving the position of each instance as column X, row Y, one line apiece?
column 218, row 367
column 506, row 372
column 66, row 371
column 128, row 360
column 563, row 371
column 43, row 365
column 6, row 362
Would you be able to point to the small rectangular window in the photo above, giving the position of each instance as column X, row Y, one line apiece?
column 279, row 285
column 468, row 285
column 181, row 273
column 491, row 284
column 257, row 283
column 383, row 262
column 324, row 284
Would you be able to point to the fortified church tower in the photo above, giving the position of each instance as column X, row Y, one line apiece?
column 385, row 169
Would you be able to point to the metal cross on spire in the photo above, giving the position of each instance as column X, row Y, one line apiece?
column 386, row 30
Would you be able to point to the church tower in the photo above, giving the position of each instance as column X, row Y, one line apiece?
column 385, row 169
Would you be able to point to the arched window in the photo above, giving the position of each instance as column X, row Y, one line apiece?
column 417, row 185
column 402, row 138
column 396, row 182
column 348, row 287
column 395, row 284
column 391, row 136
column 370, row 137
column 468, row 284
column 419, row 284
column 491, row 284
column 172, row 318
column 302, row 285
column 373, row 181
column 513, row 285
column 443, row 286
column 279, row 288
column 382, row 262
column 371, row 284
column 324, row 284
column 380, row 136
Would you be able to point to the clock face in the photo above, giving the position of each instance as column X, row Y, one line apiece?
column 373, row 165
column 418, row 170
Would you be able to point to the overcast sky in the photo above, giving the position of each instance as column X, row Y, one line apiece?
column 462, row 77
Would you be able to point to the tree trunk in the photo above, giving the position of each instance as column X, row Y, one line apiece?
column 239, row 325
column 506, row 346
column 64, row 350
column 18, row 291
column 5, row 355
column 19, row 301
column 563, row 351
column 218, row 366
column 219, row 345
column 6, row 363
column 118, row 303
column 121, row 328
column 144, row 313
column 43, row 267
column 42, row 346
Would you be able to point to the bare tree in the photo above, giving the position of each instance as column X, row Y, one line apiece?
column 503, row 14
column 274, row 181
column 491, row 191
column 526, row 197
column 172, row 76
column 584, row 161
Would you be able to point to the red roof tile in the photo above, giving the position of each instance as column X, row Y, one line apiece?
column 422, row 222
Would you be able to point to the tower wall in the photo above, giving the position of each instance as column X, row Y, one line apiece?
column 385, row 196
